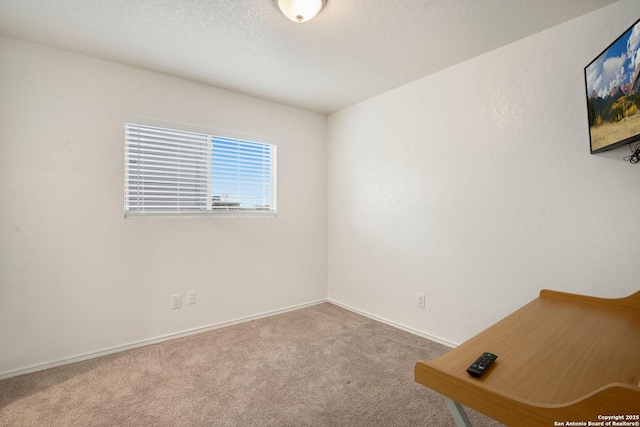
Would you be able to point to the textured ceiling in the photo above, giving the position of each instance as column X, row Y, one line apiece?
column 353, row 50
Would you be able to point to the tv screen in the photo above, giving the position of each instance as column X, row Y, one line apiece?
column 613, row 93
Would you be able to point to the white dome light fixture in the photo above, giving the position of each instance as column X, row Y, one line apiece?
column 300, row 10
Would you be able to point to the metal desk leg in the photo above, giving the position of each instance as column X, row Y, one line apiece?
column 457, row 411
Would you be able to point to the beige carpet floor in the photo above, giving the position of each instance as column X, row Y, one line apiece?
column 318, row 366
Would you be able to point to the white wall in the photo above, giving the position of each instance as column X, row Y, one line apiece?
column 75, row 277
column 476, row 186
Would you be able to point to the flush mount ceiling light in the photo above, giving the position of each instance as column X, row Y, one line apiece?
column 300, row 10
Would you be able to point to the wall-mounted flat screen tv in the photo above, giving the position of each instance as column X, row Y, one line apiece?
column 613, row 93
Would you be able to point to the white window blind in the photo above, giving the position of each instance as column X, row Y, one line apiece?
column 174, row 172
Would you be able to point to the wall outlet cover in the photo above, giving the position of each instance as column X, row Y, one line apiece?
column 176, row 301
column 191, row 297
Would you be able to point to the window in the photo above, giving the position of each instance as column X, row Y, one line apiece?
column 171, row 172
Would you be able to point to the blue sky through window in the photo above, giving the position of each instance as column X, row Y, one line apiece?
column 240, row 173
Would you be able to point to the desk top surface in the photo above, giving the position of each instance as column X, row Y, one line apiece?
column 556, row 349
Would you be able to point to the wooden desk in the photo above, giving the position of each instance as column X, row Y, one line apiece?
column 562, row 357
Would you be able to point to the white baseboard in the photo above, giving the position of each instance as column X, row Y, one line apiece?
column 142, row 343
column 394, row 324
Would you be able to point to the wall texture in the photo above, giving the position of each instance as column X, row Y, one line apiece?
column 475, row 186
column 77, row 278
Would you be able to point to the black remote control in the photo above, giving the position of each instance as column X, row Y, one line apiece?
column 481, row 365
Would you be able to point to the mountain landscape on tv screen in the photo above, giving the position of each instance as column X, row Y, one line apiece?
column 613, row 88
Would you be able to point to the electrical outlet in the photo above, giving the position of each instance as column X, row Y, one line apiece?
column 420, row 299
column 191, row 297
column 176, row 301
